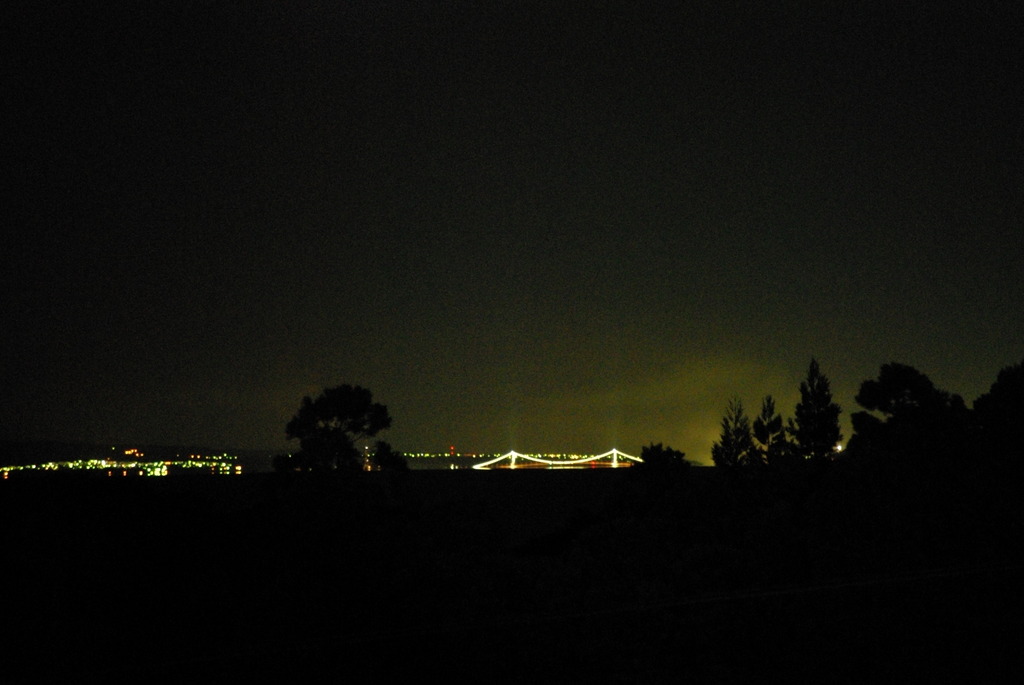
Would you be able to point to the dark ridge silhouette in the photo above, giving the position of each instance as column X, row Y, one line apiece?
column 598, row 573
column 894, row 559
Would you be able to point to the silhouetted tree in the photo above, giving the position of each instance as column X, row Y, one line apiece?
column 282, row 462
column 661, row 458
column 386, row 458
column 999, row 419
column 329, row 426
column 815, row 428
column 917, row 420
column 770, row 444
column 1000, row 415
column 735, row 443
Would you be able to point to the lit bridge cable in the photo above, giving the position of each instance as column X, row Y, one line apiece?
column 613, row 458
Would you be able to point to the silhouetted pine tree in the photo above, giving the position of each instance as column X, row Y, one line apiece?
column 770, row 443
column 735, row 444
column 815, row 429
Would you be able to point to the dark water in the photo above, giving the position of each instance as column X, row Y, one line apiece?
column 444, row 463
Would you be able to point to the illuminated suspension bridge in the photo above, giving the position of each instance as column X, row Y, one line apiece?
column 514, row 460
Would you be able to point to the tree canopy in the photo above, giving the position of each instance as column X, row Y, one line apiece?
column 387, row 458
column 658, row 457
column 329, row 427
column 908, row 417
column 998, row 415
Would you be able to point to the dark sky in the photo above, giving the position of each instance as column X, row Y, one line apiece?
column 543, row 226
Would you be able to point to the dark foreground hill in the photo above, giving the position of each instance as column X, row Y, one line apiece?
column 542, row 576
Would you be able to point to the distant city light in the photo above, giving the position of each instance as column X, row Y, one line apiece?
column 222, row 464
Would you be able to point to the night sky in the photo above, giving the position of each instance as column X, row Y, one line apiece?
column 534, row 226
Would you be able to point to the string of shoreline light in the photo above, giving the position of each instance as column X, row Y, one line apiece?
column 133, row 464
